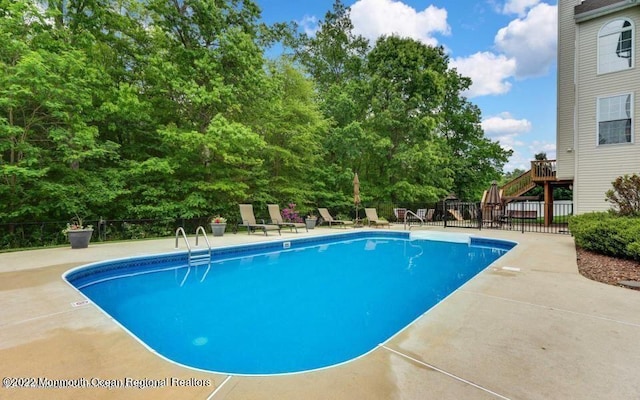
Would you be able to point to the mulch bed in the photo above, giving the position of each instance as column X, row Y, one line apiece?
column 607, row 269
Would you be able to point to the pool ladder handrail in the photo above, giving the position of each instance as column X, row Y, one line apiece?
column 195, row 259
column 409, row 212
column 203, row 258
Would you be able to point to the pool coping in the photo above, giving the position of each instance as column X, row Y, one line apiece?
column 528, row 326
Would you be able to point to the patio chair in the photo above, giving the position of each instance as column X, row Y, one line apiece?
column 249, row 220
column 276, row 219
column 456, row 214
column 408, row 217
column 324, row 213
column 400, row 214
column 372, row 216
column 426, row 215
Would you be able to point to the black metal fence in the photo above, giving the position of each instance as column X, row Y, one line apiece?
column 526, row 216
column 515, row 216
column 38, row 234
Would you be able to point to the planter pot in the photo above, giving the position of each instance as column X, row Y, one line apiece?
column 311, row 222
column 218, row 229
column 79, row 238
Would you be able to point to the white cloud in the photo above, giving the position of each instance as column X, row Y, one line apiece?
column 489, row 72
column 518, row 160
column 542, row 146
column 505, row 125
column 507, row 131
column 523, row 153
column 510, row 133
column 309, row 24
column 518, row 7
column 531, row 41
column 374, row 18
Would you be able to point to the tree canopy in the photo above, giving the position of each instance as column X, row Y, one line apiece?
column 171, row 109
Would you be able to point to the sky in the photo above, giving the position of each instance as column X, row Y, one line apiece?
column 507, row 47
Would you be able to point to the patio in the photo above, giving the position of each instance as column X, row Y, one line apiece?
column 528, row 327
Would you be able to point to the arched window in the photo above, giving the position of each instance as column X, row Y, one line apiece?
column 615, row 46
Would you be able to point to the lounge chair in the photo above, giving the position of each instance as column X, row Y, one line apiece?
column 276, row 219
column 324, row 213
column 409, row 218
column 372, row 216
column 249, row 220
column 425, row 215
column 400, row 214
column 456, row 214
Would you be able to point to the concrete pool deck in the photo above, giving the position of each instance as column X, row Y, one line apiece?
column 528, row 327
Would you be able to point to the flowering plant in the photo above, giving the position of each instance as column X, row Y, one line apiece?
column 76, row 225
column 289, row 214
column 218, row 220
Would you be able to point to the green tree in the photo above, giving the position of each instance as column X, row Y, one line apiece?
column 293, row 128
column 540, row 156
column 406, row 156
column 476, row 160
column 509, row 176
column 46, row 91
column 335, row 58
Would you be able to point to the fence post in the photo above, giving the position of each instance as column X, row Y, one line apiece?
column 444, row 212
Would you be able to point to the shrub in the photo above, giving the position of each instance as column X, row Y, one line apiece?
column 290, row 214
column 625, row 195
column 607, row 233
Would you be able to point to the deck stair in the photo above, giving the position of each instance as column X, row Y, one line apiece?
column 518, row 186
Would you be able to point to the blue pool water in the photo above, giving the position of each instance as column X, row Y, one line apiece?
column 268, row 310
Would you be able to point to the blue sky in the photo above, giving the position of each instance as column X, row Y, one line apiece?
column 507, row 47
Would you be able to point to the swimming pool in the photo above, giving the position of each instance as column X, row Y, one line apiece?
column 283, row 306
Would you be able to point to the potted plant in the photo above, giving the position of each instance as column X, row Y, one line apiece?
column 218, row 225
column 310, row 221
column 78, row 234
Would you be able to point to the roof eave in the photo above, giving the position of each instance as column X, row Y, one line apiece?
column 602, row 11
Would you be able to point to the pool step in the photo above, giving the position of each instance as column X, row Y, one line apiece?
column 200, row 259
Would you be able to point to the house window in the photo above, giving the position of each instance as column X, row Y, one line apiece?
column 615, row 46
column 615, row 119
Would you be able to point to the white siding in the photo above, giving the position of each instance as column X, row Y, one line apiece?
column 598, row 166
column 566, row 90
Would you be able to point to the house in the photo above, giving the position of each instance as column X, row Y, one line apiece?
column 597, row 85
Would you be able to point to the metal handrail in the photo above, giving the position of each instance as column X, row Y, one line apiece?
column 206, row 239
column 204, row 234
column 184, row 235
column 179, row 231
column 409, row 212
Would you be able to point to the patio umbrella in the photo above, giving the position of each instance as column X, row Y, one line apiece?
column 356, row 193
column 493, row 195
column 492, row 200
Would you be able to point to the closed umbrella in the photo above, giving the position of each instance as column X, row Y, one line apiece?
column 493, row 200
column 493, row 195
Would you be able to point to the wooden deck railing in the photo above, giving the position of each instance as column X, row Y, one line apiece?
column 518, row 186
column 543, row 170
